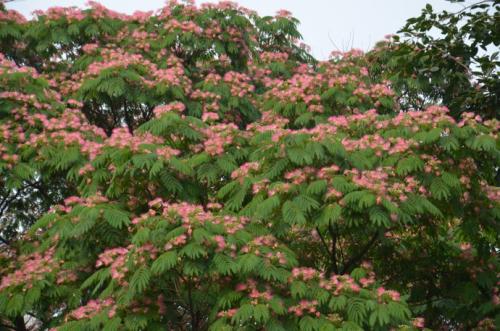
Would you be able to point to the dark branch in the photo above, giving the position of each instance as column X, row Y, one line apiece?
column 325, row 245
column 333, row 255
column 354, row 261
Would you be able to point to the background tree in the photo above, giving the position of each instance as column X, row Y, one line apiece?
column 450, row 58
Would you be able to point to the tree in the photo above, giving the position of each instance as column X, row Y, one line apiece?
column 449, row 58
column 196, row 169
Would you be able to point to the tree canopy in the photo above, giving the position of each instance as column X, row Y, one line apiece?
column 196, row 169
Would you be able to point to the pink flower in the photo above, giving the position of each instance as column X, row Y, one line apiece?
column 171, row 107
column 221, row 242
column 283, row 13
column 241, row 287
column 419, row 322
column 209, row 116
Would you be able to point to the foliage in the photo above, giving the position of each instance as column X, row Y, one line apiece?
column 196, row 169
column 446, row 57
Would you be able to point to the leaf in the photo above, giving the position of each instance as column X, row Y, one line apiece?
column 261, row 313
column 112, row 324
column 356, row 310
column 379, row 316
column 379, row 217
column 341, row 184
column 87, row 220
column 362, row 199
column 337, row 303
column 15, row 305
column 483, row 143
column 226, row 300
column 439, row 189
column 266, row 207
column 331, row 213
column 248, row 262
column 236, row 201
column 141, row 237
column 308, row 323
column 227, row 189
column 409, row 165
column 451, row 180
column 298, row 289
column 164, row 262
column 181, row 166
column 277, row 306
column 244, row 313
column 201, row 235
column 224, row 264
column 136, row 322
column 97, row 278
column 316, row 187
column 193, row 251
column 226, row 164
column 450, row 143
column 306, row 203
column 140, row 280
column 115, row 217
column 292, row 213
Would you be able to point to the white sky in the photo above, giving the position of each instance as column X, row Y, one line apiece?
column 326, row 25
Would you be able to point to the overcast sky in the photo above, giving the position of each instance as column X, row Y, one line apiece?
column 326, row 25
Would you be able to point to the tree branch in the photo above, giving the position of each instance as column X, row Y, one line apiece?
column 325, row 245
column 333, row 255
column 19, row 324
column 358, row 257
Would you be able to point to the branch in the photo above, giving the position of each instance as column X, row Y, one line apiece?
column 325, row 245
column 470, row 6
column 334, row 265
column 19, row 323
column 194, row 322
column 357, row 258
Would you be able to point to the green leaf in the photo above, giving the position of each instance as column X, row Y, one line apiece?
column 379, row 316
column 115, row 217
column 244, row 313
column 338, row 303
column 293, row 214
column 15, row 305
column 112, row 324
column 140, row 280
column 331, row 213
column 439, row 189
column 298, row 289
column 317, row 187
column 356, row 310
column 248, row 262
column 261, row 313
column 164, row 262
column 266, row 208
column 193, row 251
column 409, row 165
column 483, row 143
column 308, row 323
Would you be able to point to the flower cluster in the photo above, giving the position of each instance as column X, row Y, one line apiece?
column 33, row 267
column 244, row 170
column 176, row 107
column 217, row 137
column 92, row 308
column 115, row 258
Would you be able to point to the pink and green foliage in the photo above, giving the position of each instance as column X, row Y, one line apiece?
column 196, row 169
